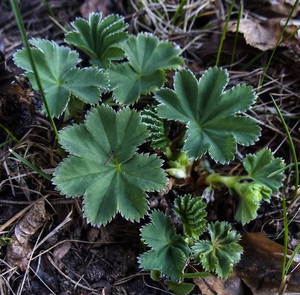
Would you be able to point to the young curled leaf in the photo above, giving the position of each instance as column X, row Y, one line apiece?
column 221, row 252
column 191, row 211
column 251, row 196
column 99, row 38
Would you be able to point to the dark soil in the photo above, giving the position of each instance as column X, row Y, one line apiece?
column 75, row 258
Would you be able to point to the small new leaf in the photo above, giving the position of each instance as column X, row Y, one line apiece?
column 168, row 251
column 221, row 252
column 251, row 196
column 158, row 129
column 261, row 165
column 191, row 211
column 56, row 66
column 213, row 116
column 100, row 39
column 104, row 168
column 148, row 58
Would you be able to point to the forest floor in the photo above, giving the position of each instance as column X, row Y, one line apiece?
column 68, row 255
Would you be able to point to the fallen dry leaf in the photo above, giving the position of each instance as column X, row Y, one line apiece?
column 264, row 34
column 213, row 285
column 283, row 7
column 18, row 252
column 261, row 264
column 89, row 6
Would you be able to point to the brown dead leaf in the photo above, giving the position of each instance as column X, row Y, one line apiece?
column 264, row 34
column 89, row 6
column 261, row 264
column 19, row 251
column 283, row 7
column 213, row 285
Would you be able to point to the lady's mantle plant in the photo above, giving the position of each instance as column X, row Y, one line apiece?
column 59, row 75
column 213, row 116
column 103, row 165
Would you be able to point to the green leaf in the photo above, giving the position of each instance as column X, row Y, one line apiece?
column 168, row 250
column 100, row 39
column 180, row 288
column 148, row 58
column 158, row 128
column 213, row 116
column 221, row 252
column 261, row 165
column 191, row 211
column 104, row 167
column 251, row 196
column 59, row 77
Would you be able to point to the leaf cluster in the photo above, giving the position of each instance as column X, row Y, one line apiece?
column 169, row 252
column 256, row 186
column 104, row 164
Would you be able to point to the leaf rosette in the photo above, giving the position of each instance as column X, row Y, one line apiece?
column 213, row 116
column 104, row 166
column 99, row 38
column 60, row 78
column 148, row 59
column 221, row 252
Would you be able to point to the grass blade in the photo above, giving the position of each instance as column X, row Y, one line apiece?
column 21, row 27
column 30, row 165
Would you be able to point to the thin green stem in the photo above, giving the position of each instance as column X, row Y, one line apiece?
column 292, row 146
column 224, row 32
column 286, row 238
column 21, row 27
column 294, row 154
column 178, row 10
column 30, row 165
column 237, row 32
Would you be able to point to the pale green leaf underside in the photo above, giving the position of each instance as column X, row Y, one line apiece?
column 169, row 252
column 213, row 116
column 59, row 77
column 148, row 58
column 104, row 168
column 262, row 164
column 248, row 205
column 99, row 37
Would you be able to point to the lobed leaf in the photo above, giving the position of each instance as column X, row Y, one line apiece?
column 59, row 77
column 99, row 38
column 251, row 196
column 261, row 165
column 168, row 250
column 104, row 168
column 221, row 252
column 148, row 58
column 213, row 116
column 191, row 211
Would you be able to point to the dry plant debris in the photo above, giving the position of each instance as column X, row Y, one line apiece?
column 19, row 251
